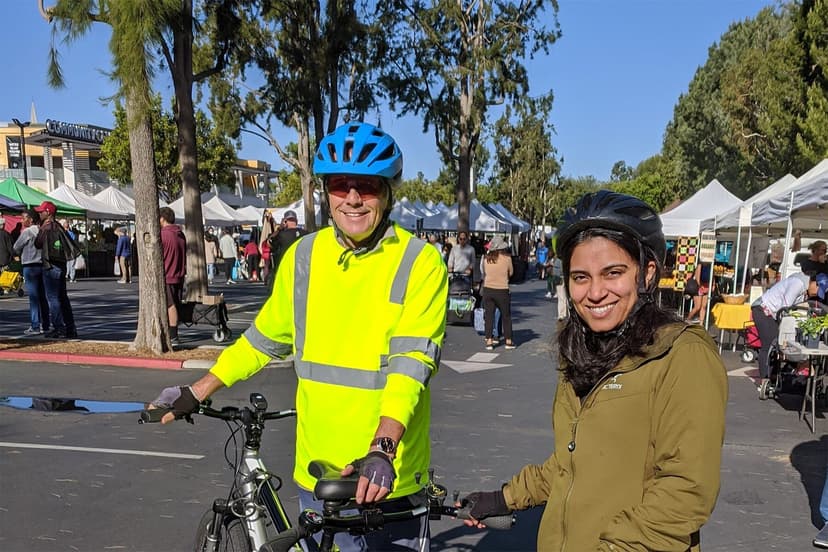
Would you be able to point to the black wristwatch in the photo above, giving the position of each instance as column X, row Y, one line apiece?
column 385, row 444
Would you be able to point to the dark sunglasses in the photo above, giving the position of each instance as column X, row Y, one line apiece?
column 367, row 188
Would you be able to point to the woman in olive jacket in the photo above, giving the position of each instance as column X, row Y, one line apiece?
column 639, row 413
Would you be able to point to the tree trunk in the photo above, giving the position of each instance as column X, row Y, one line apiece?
column 304, row 157
column 153, row 328
column 195, row 282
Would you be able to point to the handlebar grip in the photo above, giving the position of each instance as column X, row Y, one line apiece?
column 153, row 415
column 492, row 522
column 285, row 540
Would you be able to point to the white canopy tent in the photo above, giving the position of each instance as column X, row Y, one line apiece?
column 685, row 219
column 299, row 208
column 403, row 215
column 116, row 200
column 216, row 204
column 95, row 209
column 480, row 220
column 209, row 216
column 803, row 207
column 424, row 208
column 250, row 212
column 504, row 213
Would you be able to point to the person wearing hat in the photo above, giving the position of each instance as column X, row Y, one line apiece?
column 639, row 408
column 54, row 257
column 280, row 240
column 361, row 306
column 496, row 269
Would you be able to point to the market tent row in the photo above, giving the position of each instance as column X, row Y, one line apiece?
column 802, row 207
column 20, row 193
column 480, row 220
column 95, row 209
column 209, row 216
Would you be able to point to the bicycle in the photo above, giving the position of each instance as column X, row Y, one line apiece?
column 252, row 517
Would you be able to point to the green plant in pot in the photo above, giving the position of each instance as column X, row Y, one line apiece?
column 812, row 328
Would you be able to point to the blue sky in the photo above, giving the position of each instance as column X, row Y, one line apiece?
column 616, row 73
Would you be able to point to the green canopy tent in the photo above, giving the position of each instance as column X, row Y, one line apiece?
column 17, row 191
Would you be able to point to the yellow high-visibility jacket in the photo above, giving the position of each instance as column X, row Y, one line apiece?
column 365, row 331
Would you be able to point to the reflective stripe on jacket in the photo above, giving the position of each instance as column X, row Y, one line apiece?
column 365, row 332
column 636, row 465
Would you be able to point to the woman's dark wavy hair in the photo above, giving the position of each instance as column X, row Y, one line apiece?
column 588, row 355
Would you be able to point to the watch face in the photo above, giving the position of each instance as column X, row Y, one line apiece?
column 386, row 444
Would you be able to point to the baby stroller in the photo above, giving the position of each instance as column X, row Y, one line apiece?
column 461, row 300
column 785, row 371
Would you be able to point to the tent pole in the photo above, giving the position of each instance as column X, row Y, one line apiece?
column 710, row 280
column 788, row 233
column 747, row 257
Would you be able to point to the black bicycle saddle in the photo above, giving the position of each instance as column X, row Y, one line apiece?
column 329, row 484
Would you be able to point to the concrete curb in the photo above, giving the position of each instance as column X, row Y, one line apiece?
column 99, row 360
column 122, row 362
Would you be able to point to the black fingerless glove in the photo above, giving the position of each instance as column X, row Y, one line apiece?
column 179, row 400
column 486, row 504
column 377, row 468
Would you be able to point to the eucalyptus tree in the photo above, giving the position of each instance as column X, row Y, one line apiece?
column 527, row 167
column 812, row 25
column 453, row 59
column 133, row 26
column 312, row 62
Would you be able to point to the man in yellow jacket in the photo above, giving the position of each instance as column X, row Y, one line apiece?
column 361, row 306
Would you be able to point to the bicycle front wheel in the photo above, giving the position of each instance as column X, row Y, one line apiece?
column 232, row 535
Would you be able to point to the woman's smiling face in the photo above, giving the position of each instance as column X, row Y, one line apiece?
column 603, row 283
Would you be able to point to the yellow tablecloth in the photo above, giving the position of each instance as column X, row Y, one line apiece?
column 730, row 317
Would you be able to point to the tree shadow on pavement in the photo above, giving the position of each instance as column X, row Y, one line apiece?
column 811, row 461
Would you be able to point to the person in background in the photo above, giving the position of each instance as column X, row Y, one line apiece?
column 252, row 257
column 434, row 240
column 282, row 239
column 70, row 263
column 363, row 389
column 30, row 258
column 702, row 277
column 639, row 408
column 227, row 248
column 53, row 256
column 554, row 275
column 815, row 264
column 6, row 244
column 174, row 253
column 497, row 269
column 461, row 257
column 123, row 253
column 541, row 254
column 788, row 292
column 821, row 539
column 211, row 253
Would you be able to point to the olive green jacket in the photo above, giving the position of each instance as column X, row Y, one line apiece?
column 636, row 464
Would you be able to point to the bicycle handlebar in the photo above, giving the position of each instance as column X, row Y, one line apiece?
column 228, row 413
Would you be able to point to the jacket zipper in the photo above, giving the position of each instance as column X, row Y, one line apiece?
column 571, row 448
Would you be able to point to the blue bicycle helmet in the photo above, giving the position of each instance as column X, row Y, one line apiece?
column 360, row 149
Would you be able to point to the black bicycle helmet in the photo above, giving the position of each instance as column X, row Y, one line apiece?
column 614, row 211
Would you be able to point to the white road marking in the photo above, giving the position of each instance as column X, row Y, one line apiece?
column 104, row 450
column 475, row 363
column 746, row 371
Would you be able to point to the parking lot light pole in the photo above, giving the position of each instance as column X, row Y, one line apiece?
column 23, row 148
